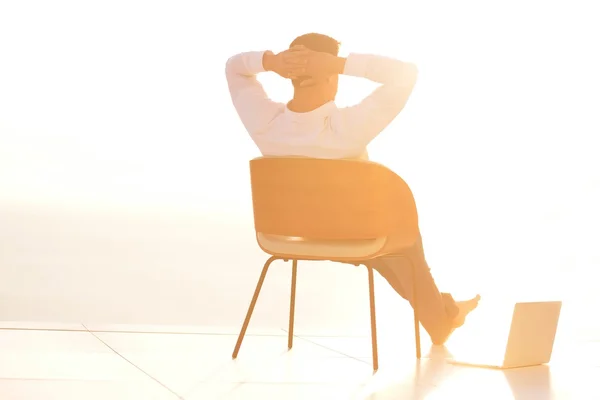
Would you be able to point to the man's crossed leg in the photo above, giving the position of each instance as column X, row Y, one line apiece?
column 438, row 312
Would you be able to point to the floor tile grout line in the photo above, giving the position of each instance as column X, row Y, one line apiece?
column 208, row 379
column 134, row 332
column 42, row 329
column 237, row 384
column 365, row 360
column 313, row 383
column 183, row 333
column 131, row 363
column 233, row 389
column 328, row 348
column 178, row 333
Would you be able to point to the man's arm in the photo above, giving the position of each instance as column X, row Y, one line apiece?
column 359, row 124
column 249, row 98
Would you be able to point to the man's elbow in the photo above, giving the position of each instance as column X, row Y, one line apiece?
column 411, row 73
column 235, row 63
column 229, row 65
column 403, row 76
column 400, row 92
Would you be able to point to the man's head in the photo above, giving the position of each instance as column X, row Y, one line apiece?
column 321, row 43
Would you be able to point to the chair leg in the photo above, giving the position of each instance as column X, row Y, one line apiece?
column 373, row 319
column 292, row 304
column 416, row 312
column 252, row 304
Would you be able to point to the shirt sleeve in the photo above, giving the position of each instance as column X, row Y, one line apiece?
column 361, row 123
column 249, row 98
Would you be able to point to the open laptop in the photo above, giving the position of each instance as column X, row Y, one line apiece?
column 529, row 342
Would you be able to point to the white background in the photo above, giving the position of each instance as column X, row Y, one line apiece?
column 124, row 188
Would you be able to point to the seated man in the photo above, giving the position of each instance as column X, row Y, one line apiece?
column 311, row 125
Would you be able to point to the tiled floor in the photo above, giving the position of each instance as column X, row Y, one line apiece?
column 54, row 361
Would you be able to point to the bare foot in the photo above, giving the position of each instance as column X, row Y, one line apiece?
column 464, row 308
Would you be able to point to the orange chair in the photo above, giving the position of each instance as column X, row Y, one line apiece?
column 330, row 210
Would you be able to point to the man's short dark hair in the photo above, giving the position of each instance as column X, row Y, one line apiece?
column 318, row 42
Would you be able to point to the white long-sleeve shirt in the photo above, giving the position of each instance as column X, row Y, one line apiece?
column 328, row 131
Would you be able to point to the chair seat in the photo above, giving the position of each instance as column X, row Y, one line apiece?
column 297, row 247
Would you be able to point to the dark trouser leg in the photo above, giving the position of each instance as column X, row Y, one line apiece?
column 436, row 310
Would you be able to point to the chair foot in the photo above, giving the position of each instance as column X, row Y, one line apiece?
column 251, row 307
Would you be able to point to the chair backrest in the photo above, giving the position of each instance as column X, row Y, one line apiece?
column 325, row 199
